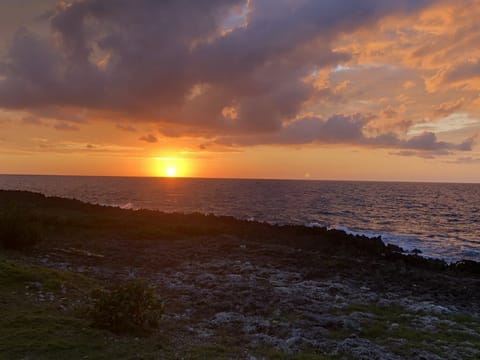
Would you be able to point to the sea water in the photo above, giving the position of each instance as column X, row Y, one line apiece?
column 441, row 220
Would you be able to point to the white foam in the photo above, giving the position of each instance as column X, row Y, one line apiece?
column 128, row 206
column 406, row 242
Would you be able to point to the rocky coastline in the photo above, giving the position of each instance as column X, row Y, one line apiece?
column 244, row 290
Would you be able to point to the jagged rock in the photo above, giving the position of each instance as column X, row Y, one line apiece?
column 467, row 266
column 395, row 248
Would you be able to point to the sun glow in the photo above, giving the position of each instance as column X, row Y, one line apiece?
column 171, row 171
column 171, row 167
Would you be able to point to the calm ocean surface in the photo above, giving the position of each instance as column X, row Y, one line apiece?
column 442, row 220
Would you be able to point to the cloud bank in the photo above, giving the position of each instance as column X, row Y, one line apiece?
column 239, row 72
column 349, row 130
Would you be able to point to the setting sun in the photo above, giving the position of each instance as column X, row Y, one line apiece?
column 170, row 167
column 171, row 171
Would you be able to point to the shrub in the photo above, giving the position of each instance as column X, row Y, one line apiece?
column 130, row 307
column 19, row 228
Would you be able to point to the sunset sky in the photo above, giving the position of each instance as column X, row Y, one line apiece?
column 330, row 89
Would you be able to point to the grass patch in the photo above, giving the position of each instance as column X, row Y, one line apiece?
column 380, row 329
column 30, row 328
column 41, row 334
column 387, row 312
column 275, row 354
column 207, row 352
column 468, row 321
column 15, row 276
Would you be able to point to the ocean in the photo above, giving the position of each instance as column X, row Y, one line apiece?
column 441, row 220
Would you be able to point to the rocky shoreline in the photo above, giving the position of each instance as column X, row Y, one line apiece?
column 256, row 291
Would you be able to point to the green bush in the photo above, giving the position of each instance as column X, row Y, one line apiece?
column 131, row 307
column 19, row 228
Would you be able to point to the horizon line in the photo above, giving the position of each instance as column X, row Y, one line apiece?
column 251, row 178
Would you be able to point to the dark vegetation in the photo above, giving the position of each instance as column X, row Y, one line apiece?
column 20, row 228
column 127, row 308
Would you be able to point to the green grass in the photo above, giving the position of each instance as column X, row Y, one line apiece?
column 444, row 335
column 274, row 354
column 206, row 352
column 30, row 328
column 15, row 275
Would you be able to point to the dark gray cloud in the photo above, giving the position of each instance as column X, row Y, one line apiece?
column 428, row 142
column 465, row 160
column 150, row 138
column 65, row 127
column 182, row 62
column 126, row 127
column 422, row 154
column 32, row 120
column 349, row 130
column 463, row 71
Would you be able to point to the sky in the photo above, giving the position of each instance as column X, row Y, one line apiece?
column 294, row 89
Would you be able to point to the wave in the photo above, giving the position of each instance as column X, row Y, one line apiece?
column 410, row 244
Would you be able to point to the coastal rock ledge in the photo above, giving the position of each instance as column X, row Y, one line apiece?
column 236, row 289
